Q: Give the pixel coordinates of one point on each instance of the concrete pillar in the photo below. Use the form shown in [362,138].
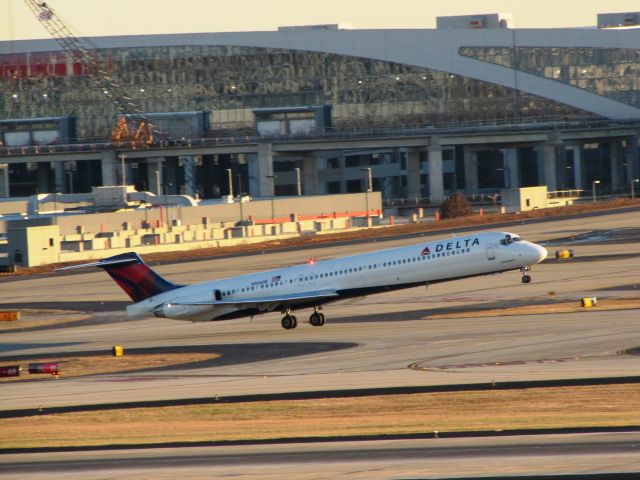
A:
[511,168]
[616,153]
[470,170]
[189,165]
[4,179]
[154,175]
[547,158]
[60,177]
[633,158]
[108,164]
[43,177]
[413,174]
[563,181]
[436,182]
[342,161]
[260,169]
[578,176]
[309,175]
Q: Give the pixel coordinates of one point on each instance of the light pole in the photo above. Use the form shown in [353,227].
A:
[273,194]
[240,198]
[593,187]
[367,189]
[633,188]
[230,182]
[298,184]
[124,172]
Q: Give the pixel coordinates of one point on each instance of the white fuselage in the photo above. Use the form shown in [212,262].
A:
[357,275]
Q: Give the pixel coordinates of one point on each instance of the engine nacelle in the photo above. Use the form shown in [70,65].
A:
[181,312]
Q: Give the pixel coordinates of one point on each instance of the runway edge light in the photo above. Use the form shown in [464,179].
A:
[118,351]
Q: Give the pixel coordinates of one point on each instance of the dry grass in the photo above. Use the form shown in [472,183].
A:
[30,318]
[554,307]
[539,408]
[75,366]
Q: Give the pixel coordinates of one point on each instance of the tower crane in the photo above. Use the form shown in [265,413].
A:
[79,51]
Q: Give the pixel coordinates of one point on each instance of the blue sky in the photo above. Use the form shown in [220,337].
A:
[122,17]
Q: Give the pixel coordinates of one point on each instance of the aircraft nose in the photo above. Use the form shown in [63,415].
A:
[540,252]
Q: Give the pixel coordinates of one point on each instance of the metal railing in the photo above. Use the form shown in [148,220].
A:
[352,132]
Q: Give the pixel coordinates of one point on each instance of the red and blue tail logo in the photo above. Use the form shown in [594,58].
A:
[135,277]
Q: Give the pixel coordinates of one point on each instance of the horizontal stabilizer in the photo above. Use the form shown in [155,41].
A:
[101,263]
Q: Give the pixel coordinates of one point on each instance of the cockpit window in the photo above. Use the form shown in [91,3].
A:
[508,239]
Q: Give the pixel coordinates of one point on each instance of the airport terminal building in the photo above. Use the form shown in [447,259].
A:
[472,105]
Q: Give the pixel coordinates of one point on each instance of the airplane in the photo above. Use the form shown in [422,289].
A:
[316,283]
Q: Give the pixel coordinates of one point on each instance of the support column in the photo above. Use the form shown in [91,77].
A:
[470,171]
[60,177]
[309,175]
[43,177]
[633,158]
[436,182]
[563,180]
[188,163]
[578,178]
[154,175]
[617,169]
[261,185]
[549,166]
[342,161]
[108,164]
[413,174]
[4,180]
[511,168]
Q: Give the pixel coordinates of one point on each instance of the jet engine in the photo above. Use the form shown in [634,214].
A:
[182,311]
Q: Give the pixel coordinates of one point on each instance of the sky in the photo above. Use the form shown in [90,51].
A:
[124,17]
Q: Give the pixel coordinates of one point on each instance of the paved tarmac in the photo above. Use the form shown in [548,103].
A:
[381,335]
[610,455]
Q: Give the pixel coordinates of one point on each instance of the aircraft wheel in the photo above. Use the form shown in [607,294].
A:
[289,322]
[526,279]
[316,319]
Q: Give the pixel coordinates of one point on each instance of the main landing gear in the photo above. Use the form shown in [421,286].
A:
[526,278]
[289,321]
[316,319]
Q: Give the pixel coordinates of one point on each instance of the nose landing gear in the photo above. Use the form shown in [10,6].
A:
[526,278]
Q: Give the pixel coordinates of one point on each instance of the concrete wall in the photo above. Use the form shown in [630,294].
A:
[257,209]
[524,199]
[33,246]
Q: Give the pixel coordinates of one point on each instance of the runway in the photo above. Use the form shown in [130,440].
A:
[605,456]
[379,337]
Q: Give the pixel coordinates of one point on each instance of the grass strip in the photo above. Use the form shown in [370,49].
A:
[615,405]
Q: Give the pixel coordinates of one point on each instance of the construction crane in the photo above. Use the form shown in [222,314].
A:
[125,132]
[79,51]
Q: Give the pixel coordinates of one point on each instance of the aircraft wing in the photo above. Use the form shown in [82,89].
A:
[270,302]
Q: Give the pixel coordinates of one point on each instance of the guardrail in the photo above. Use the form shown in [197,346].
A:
[357,131]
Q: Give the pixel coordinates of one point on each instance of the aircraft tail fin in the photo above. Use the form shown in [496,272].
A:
[134,276]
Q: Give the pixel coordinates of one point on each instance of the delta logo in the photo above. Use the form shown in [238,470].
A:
[453,245]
